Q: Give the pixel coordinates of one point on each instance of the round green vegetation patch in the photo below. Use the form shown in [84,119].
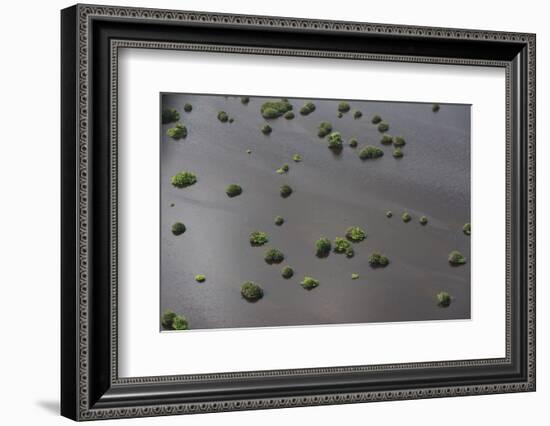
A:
[178,228]
[335,142]
[279,220]
[273,256]
[343,246]
[443,299]
[251,291]
[266,129]
[357,114]
[389,214]
[287,272]
[324,129]
[406,217]
[435,107]
[200,278]
[356,234]
[353,143]
[283,169]
[170,115]
[223,117]
[183,179]
[297,158]
[179,131]
[245,100]
[378,260]
[376,119]
[354,276]
[386,140]
[398,141]
[343,107]
[289,115]
[258,238]
[309,283]
[308,108]
[398,153]
[286,191]
[467,229]
[274,109]
[383,127]
[370,152]
[188,107]
[233,190]
[172,321]
[423,220]
[323,247]
[456,258]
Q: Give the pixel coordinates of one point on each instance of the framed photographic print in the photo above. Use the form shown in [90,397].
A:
[263,212]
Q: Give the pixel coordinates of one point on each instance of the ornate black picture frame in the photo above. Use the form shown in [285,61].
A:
[91,387]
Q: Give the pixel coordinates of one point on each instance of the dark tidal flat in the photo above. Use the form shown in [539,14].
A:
[331,191]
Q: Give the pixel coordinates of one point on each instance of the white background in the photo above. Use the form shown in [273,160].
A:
[29,218]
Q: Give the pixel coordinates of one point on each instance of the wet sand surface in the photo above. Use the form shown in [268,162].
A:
[331,193]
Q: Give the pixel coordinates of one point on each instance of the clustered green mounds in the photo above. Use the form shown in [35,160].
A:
[335,143]
[435,107]
[223,117]
[467,229]
[251,291]
[356,234]
[287,272]
[443,299]
[274,109]
[245,100]
[357,114]
[289,115]
[389,214]
[406,217]
[370,152]
[423,220]
[178,228]
[188,107]
[258,238]
[200,278]
[283,169]
[308,108]
[285,191]
[297,158]
[376,119]
[386,140]
[398,141]
[170,115]
[279,220]
[354,276]
[172,321]
[353,143]
[183,179]
[341,246]
[376,259]
[324,129]
[273,256]
[266,129]
[309,283]
[339,115]
[383,127]
[456,258]
[322,247]
[398,153]
[343,107]
[178,131]
[233,190]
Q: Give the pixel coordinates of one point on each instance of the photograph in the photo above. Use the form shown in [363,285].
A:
[286,211]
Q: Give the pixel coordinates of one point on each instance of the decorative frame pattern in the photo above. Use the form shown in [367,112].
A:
[87,406]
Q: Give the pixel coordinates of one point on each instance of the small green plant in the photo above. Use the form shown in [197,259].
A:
[279,220]
[378,260]
[170,115]
[467,229]
[376,119]
[245,100]
[287,272]
[258,238]
[172,321]
[297,158]
[443,299]
[343,107]
[423,220]
[308,108]
[188,107]
[200,278]
[435,107]
[335,142]
[324,129]
[357,115]
[285,191]
[233,190]
[339,115]
[289,115]
[398,153]
[266,129]
[406,217]
[370,152]
[178,228]
[398,141]
[354,276]
[389,214]
[283,169]
[179,131]
[343,246]
[223,117]
[323,247]
[309,283]
[355,234]
[180,323]
[251,291]
[274,109]
[183,179]
[456,258]
[273,256]
[383,127]
[353,143]
[386,140]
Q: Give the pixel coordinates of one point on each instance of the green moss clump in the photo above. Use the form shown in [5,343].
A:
[335,142]
[423,220]
[223,117]
[183,179]
[179,131]
[178,228]
[289,115]
[383,127]
[251,291]
[443,299]
[287,272]
[376,259]
[456,258]
[376,119]
[200,278]
[308,108]
[285,191]
[398,153]
[283,169]
[406,217]
[266,129]
[370,152]
[273,256]
[323,247]
[279,220]
[233,190]
[398,141]
[389,214]
[435,107]
[258,238]
[180,323]
[354,276]
[245,100]
[172,321]
[357,114]
[297,158]
[386,140]
[170,115]
[309,283]
[355,234]
[343,107]
[467,229]
[353,143]
[339,115]
[274,109]
[341,246]
[324,129]
[188,107]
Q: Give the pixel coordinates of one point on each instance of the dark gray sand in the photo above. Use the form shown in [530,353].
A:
[331,193]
